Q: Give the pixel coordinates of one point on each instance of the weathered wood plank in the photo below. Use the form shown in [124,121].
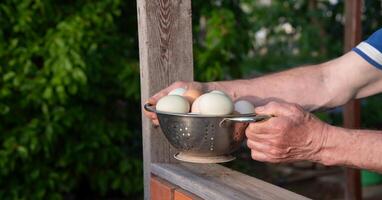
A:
[165,54]
[212,181]
[352,110]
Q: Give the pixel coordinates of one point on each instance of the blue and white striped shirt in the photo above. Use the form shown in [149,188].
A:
[371,49]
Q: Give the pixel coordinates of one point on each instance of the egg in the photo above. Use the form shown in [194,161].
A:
[215,104]
[173,104]
[195,106]
[244,107]
[236,113]
[218,92]
[177,91]
[192,94]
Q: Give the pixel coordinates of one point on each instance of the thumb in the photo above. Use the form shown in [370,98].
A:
[260,110]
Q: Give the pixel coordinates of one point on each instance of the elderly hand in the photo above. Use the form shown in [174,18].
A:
[292,135]
[180,84]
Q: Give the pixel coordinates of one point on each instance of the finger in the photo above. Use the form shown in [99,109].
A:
[273,108]
[257,132]
[150,115]
[164,92]
[155,98]
[156,122]
[152,101]
[261,137]
[257,145]
[260,156]
[270,126]
[267,148]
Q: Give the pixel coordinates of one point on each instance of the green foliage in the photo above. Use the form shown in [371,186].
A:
[265,37]
[68,72]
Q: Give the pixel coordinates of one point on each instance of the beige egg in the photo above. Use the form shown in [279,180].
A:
[244,107]
[219,92]
[173,104]
[215,104]
[192,94]
[195,106]
[177,91]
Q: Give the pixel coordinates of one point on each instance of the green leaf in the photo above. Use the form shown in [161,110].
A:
[8,76]
[23,152]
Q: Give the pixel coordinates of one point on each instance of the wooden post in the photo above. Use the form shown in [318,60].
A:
[352,109]
[165,54]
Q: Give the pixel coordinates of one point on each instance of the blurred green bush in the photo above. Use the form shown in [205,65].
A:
[69,87]
[69,81]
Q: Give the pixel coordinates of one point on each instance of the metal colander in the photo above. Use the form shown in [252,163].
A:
[204,138]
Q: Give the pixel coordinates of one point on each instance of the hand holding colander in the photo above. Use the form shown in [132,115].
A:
[204,138]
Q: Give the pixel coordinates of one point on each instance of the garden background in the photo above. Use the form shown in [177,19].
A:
[69,82]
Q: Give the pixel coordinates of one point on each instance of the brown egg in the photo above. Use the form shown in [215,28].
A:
[192,94]
[195,106]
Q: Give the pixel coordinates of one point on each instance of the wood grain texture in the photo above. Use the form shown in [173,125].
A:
[180,194]
[165,54]
[161,190]
[212,181]
[352,110]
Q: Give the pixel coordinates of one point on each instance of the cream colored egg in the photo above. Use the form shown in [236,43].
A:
[195,106]
[192,94]
[218,92]
[215,104]
[173,104]
[177,91]
[244,107]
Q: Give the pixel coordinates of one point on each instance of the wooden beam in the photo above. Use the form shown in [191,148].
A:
[165,54]
[352,109]
[213,181]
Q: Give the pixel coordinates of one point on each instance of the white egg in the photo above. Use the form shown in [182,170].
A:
[195,106]
[215,104]
[218,92]
[177,91]
[244,107]
[173,104]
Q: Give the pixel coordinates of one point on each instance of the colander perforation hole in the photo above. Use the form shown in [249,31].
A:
[205,136]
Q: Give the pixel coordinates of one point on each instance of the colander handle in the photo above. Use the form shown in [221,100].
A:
[256,118]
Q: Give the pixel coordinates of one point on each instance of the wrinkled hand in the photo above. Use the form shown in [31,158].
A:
[292,135]
[180,84]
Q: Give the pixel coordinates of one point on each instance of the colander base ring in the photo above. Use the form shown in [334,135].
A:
[203,159]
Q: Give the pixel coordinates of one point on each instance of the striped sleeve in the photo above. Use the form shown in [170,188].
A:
[371,49]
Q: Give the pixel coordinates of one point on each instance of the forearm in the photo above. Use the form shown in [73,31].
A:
[305,86]
[353,148]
